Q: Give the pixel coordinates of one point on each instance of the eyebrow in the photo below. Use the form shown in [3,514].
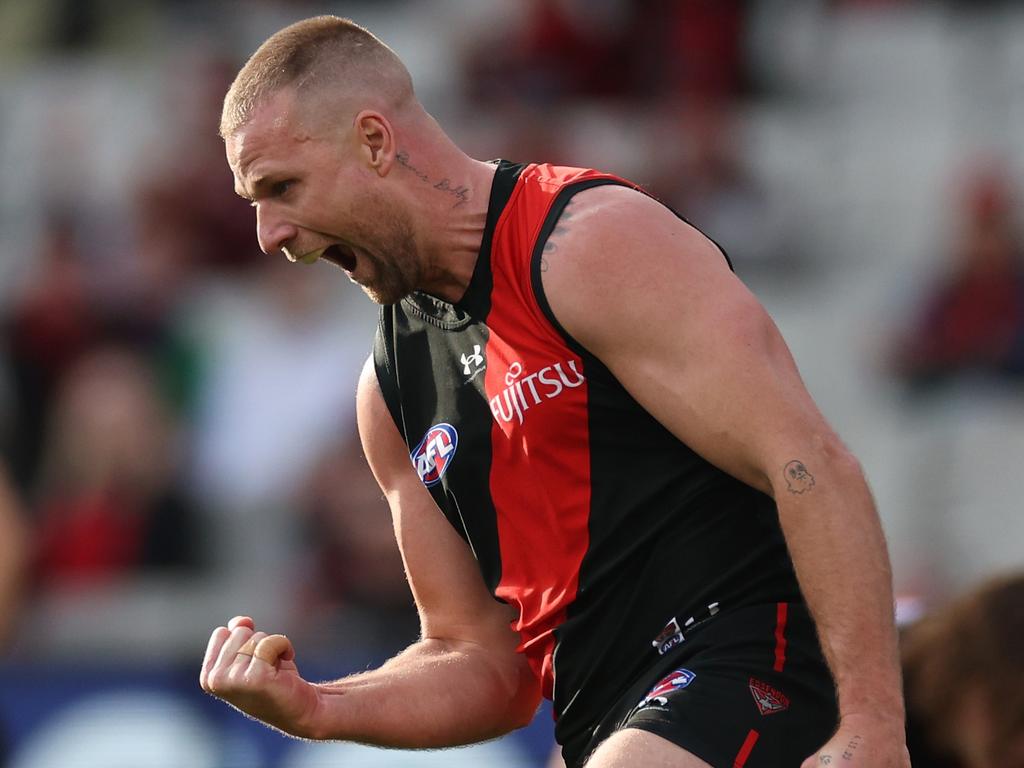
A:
[258,183]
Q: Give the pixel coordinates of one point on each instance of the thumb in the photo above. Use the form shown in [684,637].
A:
[274,649]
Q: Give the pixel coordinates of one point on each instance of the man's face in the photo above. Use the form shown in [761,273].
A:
[316,198]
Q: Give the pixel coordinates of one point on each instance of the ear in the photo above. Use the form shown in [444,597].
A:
[376,139]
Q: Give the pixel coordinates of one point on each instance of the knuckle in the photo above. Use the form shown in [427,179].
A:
[215,683]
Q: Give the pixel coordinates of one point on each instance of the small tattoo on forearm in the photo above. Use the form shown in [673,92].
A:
[851,748]
[825,759]
[798,479]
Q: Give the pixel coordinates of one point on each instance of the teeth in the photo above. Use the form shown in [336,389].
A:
[307,258]
[312,256]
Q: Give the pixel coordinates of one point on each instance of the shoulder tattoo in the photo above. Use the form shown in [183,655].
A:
[562,226]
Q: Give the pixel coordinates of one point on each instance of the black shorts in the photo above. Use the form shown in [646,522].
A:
[747,688]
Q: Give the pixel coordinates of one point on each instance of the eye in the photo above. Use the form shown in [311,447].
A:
[280,188]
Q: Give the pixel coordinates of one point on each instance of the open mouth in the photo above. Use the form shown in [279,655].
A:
[341,256]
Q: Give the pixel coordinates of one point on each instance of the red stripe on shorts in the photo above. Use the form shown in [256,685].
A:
[745,750]
[780,636]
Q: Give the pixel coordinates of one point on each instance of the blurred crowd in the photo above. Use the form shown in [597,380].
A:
[970,322]
[177,409]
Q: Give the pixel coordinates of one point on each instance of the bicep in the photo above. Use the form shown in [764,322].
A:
[451,597]
[655,301]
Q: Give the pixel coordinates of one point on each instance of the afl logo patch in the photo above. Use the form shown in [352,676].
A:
[674,681]
[434,453]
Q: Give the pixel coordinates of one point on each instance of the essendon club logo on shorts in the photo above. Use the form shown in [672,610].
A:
[769,700]
[434,453]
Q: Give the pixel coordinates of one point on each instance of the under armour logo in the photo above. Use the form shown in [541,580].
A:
[473,359]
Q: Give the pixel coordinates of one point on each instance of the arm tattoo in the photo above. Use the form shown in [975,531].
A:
[550,247]
[459,191]
[825,759]
[798,478]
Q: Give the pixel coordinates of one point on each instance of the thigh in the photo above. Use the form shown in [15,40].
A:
[630,747]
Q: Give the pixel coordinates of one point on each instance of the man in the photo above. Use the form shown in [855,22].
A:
[598,416]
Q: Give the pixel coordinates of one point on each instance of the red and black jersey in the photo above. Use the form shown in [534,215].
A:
[599,526]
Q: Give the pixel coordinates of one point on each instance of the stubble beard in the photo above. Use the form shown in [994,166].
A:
[397,274]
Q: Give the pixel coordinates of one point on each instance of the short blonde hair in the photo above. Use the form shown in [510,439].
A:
[323,50]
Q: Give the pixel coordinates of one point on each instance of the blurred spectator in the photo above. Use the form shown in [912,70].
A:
[701,171]
[189,217]
[54,319]
[872,4]
[64,311]
[108,506]
[704,47]
[613,49]
[972,322]
[13,560]
[964,678]
[355,587]
[562,51]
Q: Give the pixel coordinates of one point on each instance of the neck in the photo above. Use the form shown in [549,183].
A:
[450,193]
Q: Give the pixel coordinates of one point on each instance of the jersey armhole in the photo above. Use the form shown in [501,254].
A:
[385,365]
[537,258]
[551,220]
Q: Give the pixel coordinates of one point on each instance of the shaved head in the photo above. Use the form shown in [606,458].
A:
[333,58]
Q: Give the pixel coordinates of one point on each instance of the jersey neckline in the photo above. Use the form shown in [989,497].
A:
[477,296]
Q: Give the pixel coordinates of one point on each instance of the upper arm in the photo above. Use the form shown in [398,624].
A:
[656,302]
[451,597]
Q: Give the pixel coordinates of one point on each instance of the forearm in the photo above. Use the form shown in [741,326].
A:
[838,549]
[433,694]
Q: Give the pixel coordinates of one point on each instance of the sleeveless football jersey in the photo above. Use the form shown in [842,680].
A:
[604,531]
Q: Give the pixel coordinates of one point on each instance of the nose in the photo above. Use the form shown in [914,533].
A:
[272,231]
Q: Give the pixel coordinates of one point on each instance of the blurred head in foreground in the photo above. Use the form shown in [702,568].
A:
[964,668]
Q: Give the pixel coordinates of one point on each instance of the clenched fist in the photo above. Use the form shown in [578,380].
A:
[863,742]
[256,673]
